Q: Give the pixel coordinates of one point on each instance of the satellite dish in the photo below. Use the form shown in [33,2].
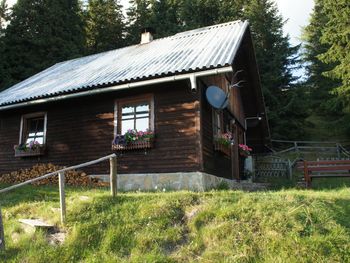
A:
[217,97]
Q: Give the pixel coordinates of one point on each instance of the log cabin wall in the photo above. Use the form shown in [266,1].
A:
[82,129]
[215,162]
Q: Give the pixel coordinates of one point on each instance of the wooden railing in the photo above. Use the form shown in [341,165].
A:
[61,182]
[320,147]
[331,168]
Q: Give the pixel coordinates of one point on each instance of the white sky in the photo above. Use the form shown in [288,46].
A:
[297,12]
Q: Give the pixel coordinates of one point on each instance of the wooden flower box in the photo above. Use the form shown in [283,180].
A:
[144,144]
[30,152]
[225,149]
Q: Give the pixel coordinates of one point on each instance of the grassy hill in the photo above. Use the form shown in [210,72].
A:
[217,226]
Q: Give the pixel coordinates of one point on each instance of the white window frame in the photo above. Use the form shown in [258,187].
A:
[25,117]
[142,98]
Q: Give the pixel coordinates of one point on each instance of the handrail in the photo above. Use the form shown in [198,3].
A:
[57,172]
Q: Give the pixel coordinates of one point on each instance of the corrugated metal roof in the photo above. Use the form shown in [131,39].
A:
[195,50]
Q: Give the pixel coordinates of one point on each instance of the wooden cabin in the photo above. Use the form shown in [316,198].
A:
[77,110]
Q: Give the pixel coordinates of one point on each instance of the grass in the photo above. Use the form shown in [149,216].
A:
[217,226]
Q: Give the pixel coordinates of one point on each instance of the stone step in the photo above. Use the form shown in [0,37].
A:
[34,224]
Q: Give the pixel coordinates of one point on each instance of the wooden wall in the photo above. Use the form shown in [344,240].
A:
[82,129]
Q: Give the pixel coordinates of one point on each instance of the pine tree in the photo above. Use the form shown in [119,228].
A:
[4,18]
[4,14]
[104,25]
[276,60]
[139,17]
[165,17]
[336,34]
[199,13]
[41,33]
[322,101]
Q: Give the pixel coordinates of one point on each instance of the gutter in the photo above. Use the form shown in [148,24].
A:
[192,77]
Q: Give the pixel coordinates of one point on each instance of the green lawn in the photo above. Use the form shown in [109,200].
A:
[218,226]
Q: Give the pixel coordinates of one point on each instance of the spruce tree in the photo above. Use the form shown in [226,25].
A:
[139,17]
[322,100]
[276,60]
[336,34]
[4,19]
[42,33]
[104,25]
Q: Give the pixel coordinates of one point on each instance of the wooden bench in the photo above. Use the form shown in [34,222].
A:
[318,169]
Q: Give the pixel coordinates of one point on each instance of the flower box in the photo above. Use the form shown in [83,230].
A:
[225,149]
[28,152]
[135,145]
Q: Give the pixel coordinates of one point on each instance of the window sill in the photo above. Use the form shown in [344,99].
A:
[146,144]
[30,152]
[222,148]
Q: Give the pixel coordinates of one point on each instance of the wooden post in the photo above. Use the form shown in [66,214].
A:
[61,183]
[307,175]
[338,150]
[290,169]
[113,175]
[296,147]
[2,235]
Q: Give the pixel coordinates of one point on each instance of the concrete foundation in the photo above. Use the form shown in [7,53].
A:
[194,181]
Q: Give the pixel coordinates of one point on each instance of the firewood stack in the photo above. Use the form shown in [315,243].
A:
[73,178]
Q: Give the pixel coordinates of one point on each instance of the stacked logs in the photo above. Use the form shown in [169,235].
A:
[73,178]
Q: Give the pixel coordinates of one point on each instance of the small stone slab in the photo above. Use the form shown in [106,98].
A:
[36,224]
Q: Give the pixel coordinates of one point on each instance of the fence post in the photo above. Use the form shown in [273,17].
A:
[113,175]
[338,150]
[289,164]
[2,235]
[61,183]
[296,147]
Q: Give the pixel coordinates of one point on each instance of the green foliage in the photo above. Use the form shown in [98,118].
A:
[42,33]
[217,226]
[104,25]
[336,34]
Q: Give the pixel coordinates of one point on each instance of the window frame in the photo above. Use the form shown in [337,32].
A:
[24,125]
[119,103]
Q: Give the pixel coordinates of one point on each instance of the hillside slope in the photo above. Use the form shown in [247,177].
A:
[217,226]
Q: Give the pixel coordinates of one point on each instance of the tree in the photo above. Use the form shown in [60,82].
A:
[276,60]
[42,33]
[4,14]
[164,17]
[104,25]
[139,17]
[336,34]
[322,100]
[4,19]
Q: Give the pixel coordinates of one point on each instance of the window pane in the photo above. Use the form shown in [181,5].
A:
[142,115]
[126,125]
[144,107]
[142,124]
[127,109]
[40,140]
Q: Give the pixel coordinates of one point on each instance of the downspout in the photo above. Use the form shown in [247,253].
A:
[192,77]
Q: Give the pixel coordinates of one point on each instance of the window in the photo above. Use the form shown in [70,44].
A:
[217,122]
[33,128]
[135,117]
[135,114]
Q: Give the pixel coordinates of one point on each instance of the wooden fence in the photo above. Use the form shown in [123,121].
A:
[61,182]
[319,147]
[272,166]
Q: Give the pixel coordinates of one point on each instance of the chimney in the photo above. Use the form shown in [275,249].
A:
[147,35]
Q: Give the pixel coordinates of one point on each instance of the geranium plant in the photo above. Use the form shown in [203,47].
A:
[224,138]
[134,135]
[31,146]
[244,149]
